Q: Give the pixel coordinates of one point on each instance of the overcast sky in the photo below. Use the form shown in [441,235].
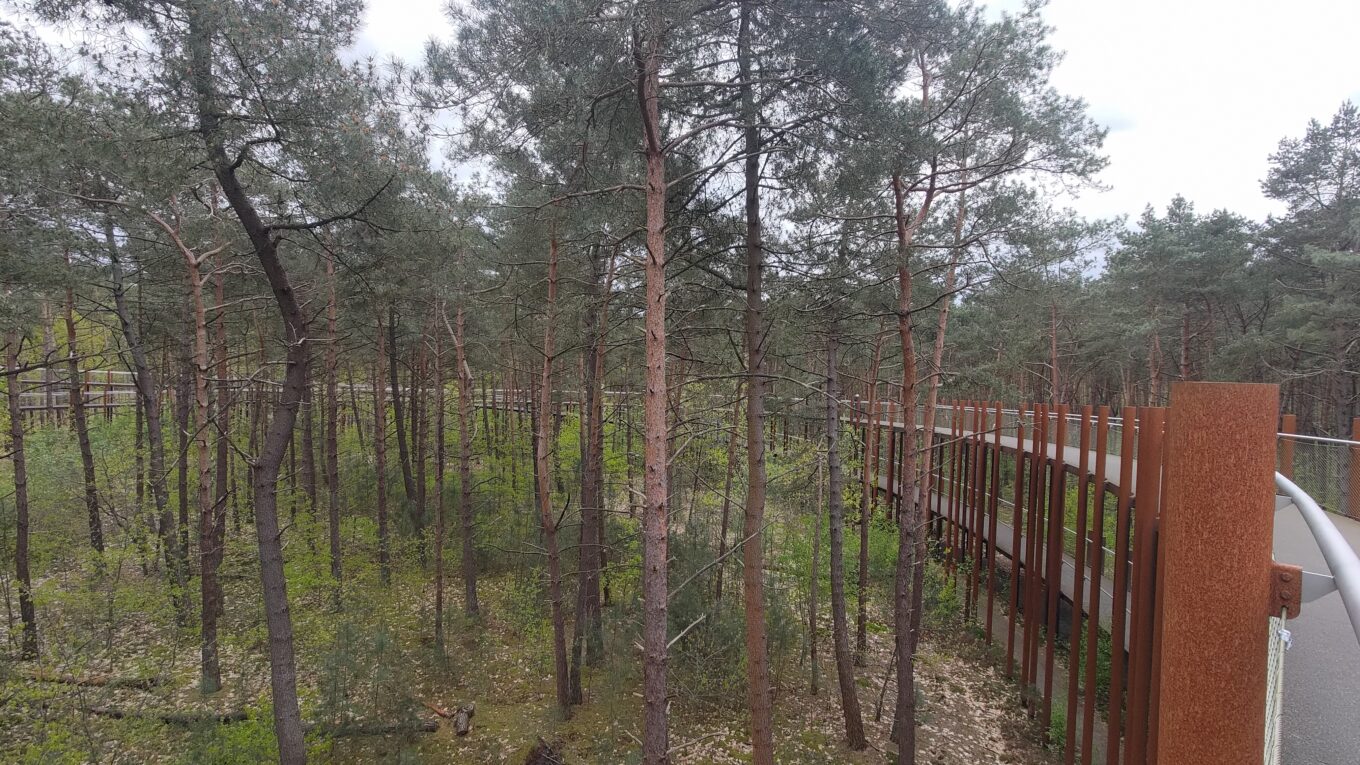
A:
[1196,93]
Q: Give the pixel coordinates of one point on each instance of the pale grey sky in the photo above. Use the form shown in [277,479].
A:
[1196,93]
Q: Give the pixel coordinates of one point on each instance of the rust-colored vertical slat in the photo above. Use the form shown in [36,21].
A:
[1119,614]
[1017,520]
[993,508]
[1147,493]
[1097,556]
[965,541]
[877,415]
[1057,495]
[969,507]
[949,524]
[1221,456]
[979,498]
[892,460]
[1035,530]
[1078,581]
[855,418]
[960,464]
[1353,475]
[1289,424]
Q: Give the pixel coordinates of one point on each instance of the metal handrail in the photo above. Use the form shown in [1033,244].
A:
[1341,559]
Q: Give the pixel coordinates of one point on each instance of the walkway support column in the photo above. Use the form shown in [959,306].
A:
[1215,571]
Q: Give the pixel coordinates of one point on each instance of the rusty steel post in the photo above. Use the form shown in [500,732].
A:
[892,462]
[951,526]
[1096,542]
[1146,507]
[1057,496]
[979,499]
[1035,530]
[1027,542]
[993,508]
[1353,474]
[1119,616]
[1216,587]
[1017,520]
[1078,581]
[1289,424]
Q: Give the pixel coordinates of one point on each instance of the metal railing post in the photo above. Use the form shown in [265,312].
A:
[1216,587]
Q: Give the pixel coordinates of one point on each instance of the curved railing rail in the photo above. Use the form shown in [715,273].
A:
[1336,551]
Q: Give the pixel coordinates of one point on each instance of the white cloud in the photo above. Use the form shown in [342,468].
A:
[1198,93]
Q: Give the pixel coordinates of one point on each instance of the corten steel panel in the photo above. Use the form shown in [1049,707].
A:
[993,507]
[976,514]
[1078,582]
[1216,585]
[1017,521]
[1057,496]
[1146,508]
[1288,424]
[1121,584]
[1097,545]
[1353,475]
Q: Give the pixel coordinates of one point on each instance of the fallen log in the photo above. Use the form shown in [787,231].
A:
[95,681]
[169,718]
[187,719]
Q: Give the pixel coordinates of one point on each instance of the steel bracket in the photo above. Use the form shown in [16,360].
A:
[1316,585]
[1286,590]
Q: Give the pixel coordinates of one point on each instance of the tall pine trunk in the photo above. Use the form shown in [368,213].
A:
[840,628]
[465,519]
[332,427]
[760,695]
[380,456]
[79,424]
[869,473]
[265,470]
[27,614]
[148,390]
[655,536]
[915,515]
[543,467]
[439,489]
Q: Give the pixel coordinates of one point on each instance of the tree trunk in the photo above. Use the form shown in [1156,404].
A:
[814,578]
[911,552]
[868,487]
[79,424]
[265,473]
[727,493]
[222,418]
[465,519]
[587,639]
[439,528]
[184,387]
[403,454]
[148,389]
[655,734]
[543,464]
[759,693]
[308,441]
[380,456]
[332,426]
[210,590]
[27,614]
[840,629]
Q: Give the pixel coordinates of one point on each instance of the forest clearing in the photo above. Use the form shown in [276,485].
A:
[644,381]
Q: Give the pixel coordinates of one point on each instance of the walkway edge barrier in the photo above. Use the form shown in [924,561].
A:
[1211,644]
[1341,559]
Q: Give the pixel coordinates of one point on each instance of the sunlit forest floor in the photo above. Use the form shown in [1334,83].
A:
[117,681]
[373,664]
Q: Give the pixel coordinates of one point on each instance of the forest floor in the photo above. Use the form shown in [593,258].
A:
[374,664]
